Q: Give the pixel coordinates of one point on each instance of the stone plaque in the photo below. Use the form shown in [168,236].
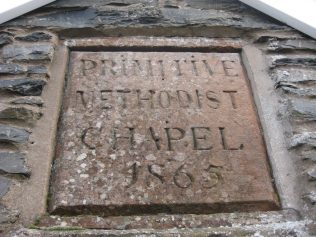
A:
[151,132]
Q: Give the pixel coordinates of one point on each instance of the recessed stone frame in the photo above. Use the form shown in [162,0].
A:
[33,201]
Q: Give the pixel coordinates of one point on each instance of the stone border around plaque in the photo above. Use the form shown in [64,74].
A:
[262,88]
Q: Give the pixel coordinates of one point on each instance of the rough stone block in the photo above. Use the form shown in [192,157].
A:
[28,53]
[13,163]
[30,100]
[12,69]
[35,37]
[26,86]
[303,109]
[20,113]
[4,186]
[12,134]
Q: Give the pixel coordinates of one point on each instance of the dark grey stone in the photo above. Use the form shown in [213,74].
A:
[5,39]
[295,61]
[309,155]
[4,186]
[26,86]
[12,69]
[28,53]
[35,37]
[31,100]
[303,109]
[13,163]
[37,69]
[306,138]
[12,134]
[20,113]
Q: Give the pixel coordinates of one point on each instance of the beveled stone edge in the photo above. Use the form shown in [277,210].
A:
[267,101]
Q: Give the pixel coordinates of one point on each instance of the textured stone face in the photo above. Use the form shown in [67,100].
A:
[150,132]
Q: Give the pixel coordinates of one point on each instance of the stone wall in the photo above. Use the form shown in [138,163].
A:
[28,47]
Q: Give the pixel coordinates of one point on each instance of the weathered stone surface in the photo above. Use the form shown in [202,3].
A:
[306,138]
[13,163]
[309,155]
[19,113]
[290,45]
[30,100]
[5,39]
[12,69]
[12,134]
[311,197]
[302,109]
[38,69]
[101,17]
[164,221]
[26,86]
[295,89]
[7,216]
[312,174]
[296,60]
[292,75]
[4,186]
[28,53]
[141,133]
[35,37]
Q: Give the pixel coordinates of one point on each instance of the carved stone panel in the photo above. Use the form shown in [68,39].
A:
[152,132]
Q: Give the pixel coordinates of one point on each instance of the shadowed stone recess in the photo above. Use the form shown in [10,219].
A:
[11,134]
[4,186]
[20,113]
[28,53]
[26,86]
[13,163]
[35,37]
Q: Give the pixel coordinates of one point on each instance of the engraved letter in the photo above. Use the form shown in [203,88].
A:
[108,66]
[172,137]
[123,98]
[155,138]
[208,67]
[198,138]
[164,103]
[87,65]
[232,98]
[230,68]
[178,67]
[184,98]
[150,98]
[155,170]
[129,137]
[224,142]
[212,97]
[103,98]
[94,134]
[133,170]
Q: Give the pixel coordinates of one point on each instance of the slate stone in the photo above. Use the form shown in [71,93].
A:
[72,18]
[12,134]
[37,69]
[4,186]
[12,69]
[290,45]
[304,76]
[312,174]
[28,53]
[303,109]
[308,61]
[295,89]
[30,100]
[311,197]
[20,113]
[26,86]
[13,163]
[35,37]
[309,155]
[5,39]
[306,138]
